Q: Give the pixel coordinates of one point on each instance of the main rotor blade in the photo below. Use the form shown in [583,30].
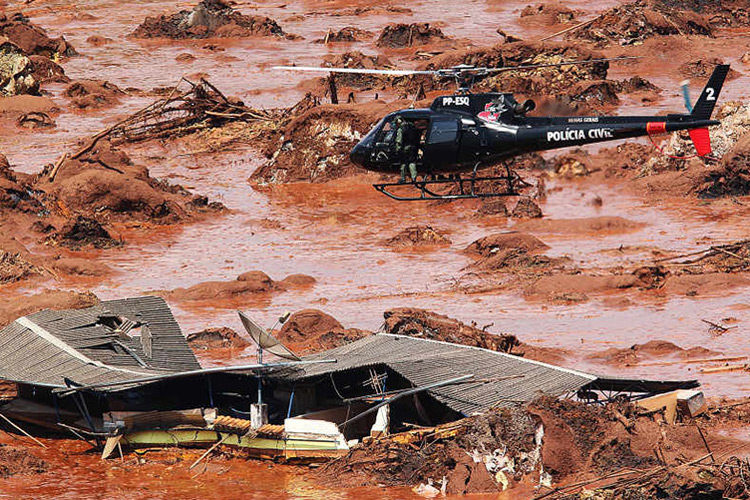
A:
[553,65]
[362,71]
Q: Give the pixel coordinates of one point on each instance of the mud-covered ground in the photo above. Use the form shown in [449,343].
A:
[269,216]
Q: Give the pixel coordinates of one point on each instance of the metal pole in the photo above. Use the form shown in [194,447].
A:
[291,401]
[406,393]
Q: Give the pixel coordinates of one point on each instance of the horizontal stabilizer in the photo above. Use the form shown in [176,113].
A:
[701,141]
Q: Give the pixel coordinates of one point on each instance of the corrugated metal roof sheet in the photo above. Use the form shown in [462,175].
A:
[507,379]
[48,346]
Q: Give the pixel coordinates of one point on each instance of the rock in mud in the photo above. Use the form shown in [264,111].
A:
[418,236]
[510,252]
[526,208]
[35,120]
[94,94]
[547,14]
[16,460]
[16,71]
[311,330]
[98,41]
[31,39]
[46,70]
[597,93]
[216,338]
[408,35]
[489,245]
[652,349]
[83,231]
[632,23]
[210,18]
[247,284]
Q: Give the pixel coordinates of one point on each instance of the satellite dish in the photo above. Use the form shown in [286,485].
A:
[266,341]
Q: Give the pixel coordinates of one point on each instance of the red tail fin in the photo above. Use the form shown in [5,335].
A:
[701,141]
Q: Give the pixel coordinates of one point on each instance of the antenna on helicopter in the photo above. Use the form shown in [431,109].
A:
[464,74]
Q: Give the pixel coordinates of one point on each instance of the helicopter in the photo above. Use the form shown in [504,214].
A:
[465,132]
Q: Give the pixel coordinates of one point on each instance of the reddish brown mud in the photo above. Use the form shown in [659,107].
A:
[601,229]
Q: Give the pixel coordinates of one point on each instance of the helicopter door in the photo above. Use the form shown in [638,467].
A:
[384,147]
[441,147]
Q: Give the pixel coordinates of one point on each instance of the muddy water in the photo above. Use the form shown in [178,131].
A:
[335,232]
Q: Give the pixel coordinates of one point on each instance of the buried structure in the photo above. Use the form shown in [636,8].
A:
[121,373]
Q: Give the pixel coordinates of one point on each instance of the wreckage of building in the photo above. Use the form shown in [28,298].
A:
[122,371]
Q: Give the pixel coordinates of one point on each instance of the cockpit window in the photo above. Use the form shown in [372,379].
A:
[443,131]
[388,134]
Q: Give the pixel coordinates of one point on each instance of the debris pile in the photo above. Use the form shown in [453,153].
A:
[311,330]
[408,35]
[730,258]
[314,146]
[16,460]
[31,39]
[83,232]
[613,451]
[210,18]
[542,81]
[101,182]
[28,56]
[358,60]
[201,107]
[13,267]
[430,325]
[418,236]
[707,177]
[346,34]
[731,177]
[475,455]
[16,71]
[726,13]
[632,23]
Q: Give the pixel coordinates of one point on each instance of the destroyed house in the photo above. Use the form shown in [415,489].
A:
[86,370]
[458,381]
[126,350]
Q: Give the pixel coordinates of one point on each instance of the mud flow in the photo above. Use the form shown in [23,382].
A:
[148,148]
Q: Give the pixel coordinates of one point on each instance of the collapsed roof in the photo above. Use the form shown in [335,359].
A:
[113,341]
[499,379]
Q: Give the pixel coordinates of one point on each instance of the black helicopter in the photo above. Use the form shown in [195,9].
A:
[465,132]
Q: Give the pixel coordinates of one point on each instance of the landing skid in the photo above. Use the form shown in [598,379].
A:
[466,188]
